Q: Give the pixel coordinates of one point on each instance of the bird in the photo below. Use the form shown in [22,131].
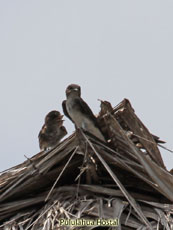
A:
[52,131]
[77,110]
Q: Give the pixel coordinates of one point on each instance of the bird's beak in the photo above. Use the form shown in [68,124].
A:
[68,91]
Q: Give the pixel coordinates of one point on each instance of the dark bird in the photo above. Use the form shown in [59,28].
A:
[76,109]
[52,131]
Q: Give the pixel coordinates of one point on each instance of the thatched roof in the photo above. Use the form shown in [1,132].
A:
[83,177]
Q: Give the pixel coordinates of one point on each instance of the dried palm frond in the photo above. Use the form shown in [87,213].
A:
[82,177]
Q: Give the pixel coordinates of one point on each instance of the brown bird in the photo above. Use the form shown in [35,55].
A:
[52,131]
[76,109]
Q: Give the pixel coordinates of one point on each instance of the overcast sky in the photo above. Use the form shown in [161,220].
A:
[114,49]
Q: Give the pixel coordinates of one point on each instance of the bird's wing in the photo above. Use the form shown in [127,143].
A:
[65,110]
[41,136]
[42,131]
[47,133]
[85,109]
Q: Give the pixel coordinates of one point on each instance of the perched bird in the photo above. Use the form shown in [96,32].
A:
[76,109]
[52,131]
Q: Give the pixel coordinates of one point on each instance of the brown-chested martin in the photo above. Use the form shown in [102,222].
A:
[52,131]
[76,109]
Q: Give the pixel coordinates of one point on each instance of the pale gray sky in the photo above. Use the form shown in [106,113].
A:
[113,49]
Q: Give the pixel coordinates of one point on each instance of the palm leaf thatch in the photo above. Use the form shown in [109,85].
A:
[84,177]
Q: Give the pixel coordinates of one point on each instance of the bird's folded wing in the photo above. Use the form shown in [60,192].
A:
[85,109]
[65,110]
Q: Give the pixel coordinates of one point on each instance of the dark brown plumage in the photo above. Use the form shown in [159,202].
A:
[76,109]
[52,131]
